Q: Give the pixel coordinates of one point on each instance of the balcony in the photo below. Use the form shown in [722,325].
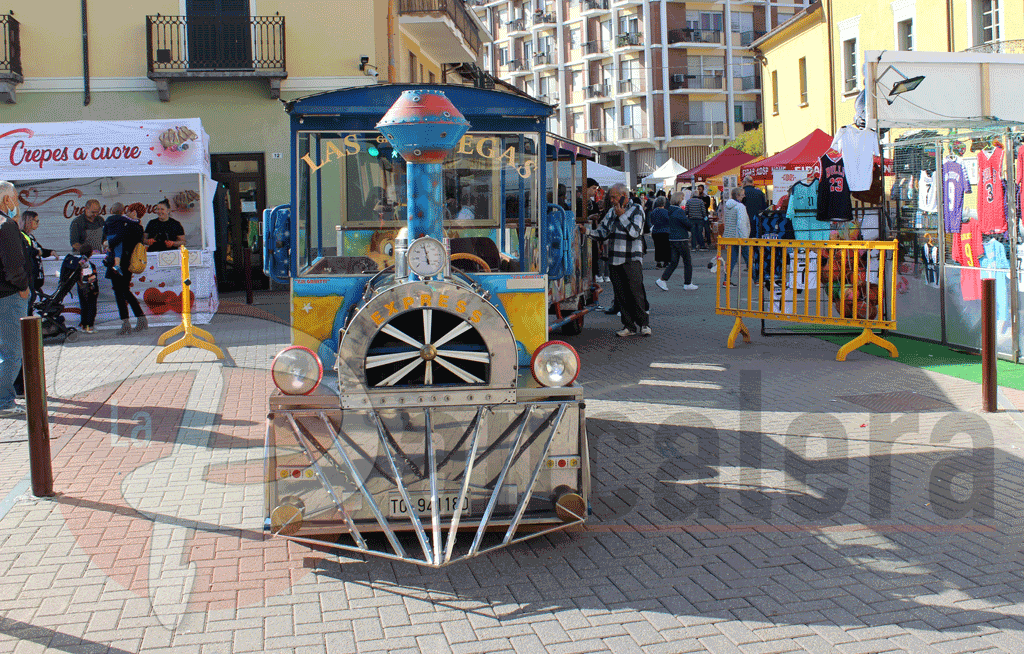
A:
[749,83]
[598,91]
[1000,47]
[629,39]
[550,98]
[594,6]
[519,66]
[544,19]
[698,128]
[10,58]
[746,38]
[687,35]
[680,81]
[215,47]
[543,60]
[592,48]
[599,135]
[444,29]
[632,132]
[631,86]
[517,26]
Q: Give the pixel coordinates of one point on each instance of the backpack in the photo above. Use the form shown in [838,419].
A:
[137,263]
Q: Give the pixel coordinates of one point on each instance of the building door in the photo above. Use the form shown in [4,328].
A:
[218,34]
[240,223]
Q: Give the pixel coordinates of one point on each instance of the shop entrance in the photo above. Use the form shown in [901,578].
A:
[243,185]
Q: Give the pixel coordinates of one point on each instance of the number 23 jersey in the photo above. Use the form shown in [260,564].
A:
[833,191]
[991,207]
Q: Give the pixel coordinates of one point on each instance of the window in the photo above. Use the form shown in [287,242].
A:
[745,111]
[628,24]
[704,65]
[574,80]
[775,93]
[606,34]
[553,125]
[850,65]
[742,22]
[528,50]
[502,20]
[986,21]
[574,38]
[530,87]
[421,77]
[433,80]
[577,122]
[803,81]
[503,56]
[631,115]
[905,35]
[413,67]
[704,20]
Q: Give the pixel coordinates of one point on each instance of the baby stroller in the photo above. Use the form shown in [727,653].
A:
[50,307]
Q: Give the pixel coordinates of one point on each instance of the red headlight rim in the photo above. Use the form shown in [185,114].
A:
[533,360]
[319,364]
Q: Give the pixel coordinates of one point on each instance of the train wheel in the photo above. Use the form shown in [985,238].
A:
[575,327]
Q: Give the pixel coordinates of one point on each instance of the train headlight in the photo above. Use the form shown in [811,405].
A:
[297,370]
[555,364]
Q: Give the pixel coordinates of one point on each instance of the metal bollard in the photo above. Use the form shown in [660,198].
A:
[989,387]
[40,461]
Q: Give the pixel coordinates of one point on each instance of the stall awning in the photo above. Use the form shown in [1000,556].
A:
[725,160]
[803,154]
[107,148]
[666,172]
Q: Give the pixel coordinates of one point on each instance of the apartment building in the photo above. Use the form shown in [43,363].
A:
[229,63]
[642,80]
[813,63]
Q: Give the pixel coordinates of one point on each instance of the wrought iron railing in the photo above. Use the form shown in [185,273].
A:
[595,5]
[10,46]
[517,25]
[697,81]
[631,38]
[196,44]
[750,82]
[632,132]
[599,91]
[599,135]
[543,59]
[1000,47]
[518,65]
[628,86]
[592,47]
[698,128]
[540,19]
[688,35]
[454,9]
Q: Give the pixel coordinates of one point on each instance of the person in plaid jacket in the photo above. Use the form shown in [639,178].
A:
[623,227]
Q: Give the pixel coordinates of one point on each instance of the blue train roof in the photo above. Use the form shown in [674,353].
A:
[375,99]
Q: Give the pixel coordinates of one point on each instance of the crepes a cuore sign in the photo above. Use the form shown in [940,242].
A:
[102,149]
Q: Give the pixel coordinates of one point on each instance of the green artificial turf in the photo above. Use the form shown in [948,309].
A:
[941,359]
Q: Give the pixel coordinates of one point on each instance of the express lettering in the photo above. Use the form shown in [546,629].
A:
[423,300]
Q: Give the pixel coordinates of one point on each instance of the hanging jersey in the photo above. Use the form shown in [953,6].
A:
[991,207]
[967,251]
[955,184]
[859,148]
[928,200]
[833,191]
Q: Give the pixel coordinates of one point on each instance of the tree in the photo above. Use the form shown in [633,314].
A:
[751,142]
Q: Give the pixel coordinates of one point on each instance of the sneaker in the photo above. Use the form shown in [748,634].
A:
[141,323]
[126,327]
[624,332]
[645,330]
[690,287]
[13,411]
[661,284]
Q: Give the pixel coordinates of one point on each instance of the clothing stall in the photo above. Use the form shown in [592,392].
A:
[953,202]
[58,167]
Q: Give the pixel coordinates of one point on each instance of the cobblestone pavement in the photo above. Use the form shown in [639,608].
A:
[762,499]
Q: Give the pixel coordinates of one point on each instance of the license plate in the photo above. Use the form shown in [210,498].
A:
[446,502]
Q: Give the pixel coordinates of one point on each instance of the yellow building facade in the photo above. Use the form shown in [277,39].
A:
[230,63]
[813,64]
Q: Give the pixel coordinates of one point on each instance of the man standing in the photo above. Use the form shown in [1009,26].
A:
[623,227]
[697,211]
[14,282]
[753,198]
[88,228]
[163,232]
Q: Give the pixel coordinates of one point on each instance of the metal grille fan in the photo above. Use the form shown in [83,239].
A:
[427,347]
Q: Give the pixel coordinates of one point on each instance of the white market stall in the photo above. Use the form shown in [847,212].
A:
[666,174]
[58,167]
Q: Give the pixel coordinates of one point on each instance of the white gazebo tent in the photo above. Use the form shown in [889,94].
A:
[666,173]
[58,167]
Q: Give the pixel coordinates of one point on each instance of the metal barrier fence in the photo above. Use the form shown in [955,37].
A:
[829,283]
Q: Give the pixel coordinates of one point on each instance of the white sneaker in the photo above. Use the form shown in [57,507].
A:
[624,332]
[661,284]
[691,287]
[645,331]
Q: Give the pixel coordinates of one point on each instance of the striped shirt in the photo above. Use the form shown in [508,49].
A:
[624,234]
[696,210]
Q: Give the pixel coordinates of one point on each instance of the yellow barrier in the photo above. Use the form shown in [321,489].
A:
[192,336]
[836,283]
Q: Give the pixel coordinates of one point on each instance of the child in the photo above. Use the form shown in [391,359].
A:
[88,289]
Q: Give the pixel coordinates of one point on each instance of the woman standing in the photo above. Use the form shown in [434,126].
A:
[29,223]
[659,232]
[123,234]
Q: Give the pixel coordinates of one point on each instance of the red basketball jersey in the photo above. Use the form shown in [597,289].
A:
[991,208]
[967,251]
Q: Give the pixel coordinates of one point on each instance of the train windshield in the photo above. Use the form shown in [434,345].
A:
[351,196]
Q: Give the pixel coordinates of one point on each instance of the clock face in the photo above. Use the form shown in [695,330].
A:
[427,257]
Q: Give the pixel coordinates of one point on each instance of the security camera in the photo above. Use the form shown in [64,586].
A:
[374,73]
[363,61]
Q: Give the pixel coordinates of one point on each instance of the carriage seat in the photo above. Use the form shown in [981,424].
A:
[481,246]
[342,266]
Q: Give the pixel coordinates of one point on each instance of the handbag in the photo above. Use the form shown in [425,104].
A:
[137,263]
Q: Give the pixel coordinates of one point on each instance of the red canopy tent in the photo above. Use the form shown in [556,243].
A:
[724,161]
[802,155]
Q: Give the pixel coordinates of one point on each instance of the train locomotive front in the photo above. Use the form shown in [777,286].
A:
[447,430]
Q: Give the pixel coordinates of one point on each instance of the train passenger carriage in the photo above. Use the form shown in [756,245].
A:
[429,248]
